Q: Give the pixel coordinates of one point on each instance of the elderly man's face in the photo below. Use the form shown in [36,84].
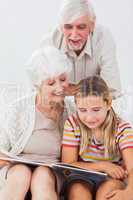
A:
[76,33]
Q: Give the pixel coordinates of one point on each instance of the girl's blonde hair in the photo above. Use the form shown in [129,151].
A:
[96,86]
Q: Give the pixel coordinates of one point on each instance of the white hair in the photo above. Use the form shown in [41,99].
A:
[45,63]
[73,9]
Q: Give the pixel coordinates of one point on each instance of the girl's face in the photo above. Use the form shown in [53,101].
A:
[53,88]
[92,110]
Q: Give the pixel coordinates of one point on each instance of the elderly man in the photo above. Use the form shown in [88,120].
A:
[90,47]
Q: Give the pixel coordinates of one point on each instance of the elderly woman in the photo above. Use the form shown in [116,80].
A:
[31,124]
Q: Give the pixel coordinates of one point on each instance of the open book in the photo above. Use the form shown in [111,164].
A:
[67,169]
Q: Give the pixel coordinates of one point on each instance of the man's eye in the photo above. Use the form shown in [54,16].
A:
[81,26]
[68,26]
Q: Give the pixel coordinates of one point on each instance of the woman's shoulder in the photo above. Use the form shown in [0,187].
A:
[12,93]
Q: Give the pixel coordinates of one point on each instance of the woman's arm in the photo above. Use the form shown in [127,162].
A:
[3,162]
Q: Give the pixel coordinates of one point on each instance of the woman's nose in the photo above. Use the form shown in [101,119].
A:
[59,87]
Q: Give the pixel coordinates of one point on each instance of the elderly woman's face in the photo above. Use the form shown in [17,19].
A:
[76,33]
[54,88]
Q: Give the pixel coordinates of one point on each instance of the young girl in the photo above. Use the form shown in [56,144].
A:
[95,138]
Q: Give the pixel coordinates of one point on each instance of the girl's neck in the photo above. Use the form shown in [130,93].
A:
[97,134]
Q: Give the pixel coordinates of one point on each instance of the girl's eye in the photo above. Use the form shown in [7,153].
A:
[82,109]
[96,110]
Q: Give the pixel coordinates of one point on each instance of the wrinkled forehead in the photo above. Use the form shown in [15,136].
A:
[57,76]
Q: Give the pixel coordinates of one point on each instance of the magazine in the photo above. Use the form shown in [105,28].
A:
[67,169]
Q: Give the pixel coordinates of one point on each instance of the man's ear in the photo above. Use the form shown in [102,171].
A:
[92,26]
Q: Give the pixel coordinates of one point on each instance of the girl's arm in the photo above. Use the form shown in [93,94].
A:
[127,193]
[70,156]
[128,161]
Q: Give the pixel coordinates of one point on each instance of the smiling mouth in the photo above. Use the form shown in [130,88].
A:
[59,94]
[75,41]
[91,123]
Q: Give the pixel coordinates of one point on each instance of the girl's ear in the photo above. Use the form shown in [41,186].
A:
[110,103]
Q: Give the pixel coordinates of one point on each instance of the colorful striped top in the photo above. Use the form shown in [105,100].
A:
[95,150]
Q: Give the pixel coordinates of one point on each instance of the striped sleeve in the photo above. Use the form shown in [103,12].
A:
[71,135]
[125,136]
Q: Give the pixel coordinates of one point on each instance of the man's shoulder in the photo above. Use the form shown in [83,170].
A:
[100,29]
[54,37]
[102,33]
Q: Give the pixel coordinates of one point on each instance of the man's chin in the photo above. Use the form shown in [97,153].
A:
[75,48]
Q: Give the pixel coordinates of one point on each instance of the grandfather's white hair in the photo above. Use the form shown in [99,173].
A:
[73,9]
[45,63]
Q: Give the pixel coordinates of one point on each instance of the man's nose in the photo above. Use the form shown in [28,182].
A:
[74,32]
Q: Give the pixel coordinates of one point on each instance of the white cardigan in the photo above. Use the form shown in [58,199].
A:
[17,117]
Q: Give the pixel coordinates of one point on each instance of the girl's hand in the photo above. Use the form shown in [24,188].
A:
[119,195]
[113,170]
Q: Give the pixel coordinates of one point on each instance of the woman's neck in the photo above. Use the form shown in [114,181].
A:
[51,109]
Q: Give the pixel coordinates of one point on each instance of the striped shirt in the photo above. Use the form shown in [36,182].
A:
[95,151]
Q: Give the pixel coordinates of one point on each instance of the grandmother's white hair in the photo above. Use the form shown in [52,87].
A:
[45,63]
[73,9]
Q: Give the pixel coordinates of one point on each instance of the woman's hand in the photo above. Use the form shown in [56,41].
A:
[113,170]
[71,90]
[4,162]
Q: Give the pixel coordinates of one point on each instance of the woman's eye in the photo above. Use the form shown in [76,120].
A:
[62,79]
[51,82]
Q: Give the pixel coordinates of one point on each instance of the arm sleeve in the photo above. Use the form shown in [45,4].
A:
[125,138]
[70,135]
[108,64]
